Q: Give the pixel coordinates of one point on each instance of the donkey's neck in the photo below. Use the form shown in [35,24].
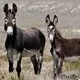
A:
[56,40]
[58,36]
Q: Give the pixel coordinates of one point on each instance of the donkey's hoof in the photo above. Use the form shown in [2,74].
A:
[11,69]
[18,75]
[37,73]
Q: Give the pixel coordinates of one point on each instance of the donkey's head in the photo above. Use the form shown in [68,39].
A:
[51,26]
[10,20]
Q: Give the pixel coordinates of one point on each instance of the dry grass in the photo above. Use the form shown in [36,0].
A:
[28,72]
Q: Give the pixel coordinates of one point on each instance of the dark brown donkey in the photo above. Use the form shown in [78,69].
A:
[61,49]
[19,43]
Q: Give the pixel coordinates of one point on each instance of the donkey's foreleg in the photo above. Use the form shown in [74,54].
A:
[60,64]
[17,63]
[55,64]
[10,60]
[18,69]
[51,50]
[10,66]
[55,67]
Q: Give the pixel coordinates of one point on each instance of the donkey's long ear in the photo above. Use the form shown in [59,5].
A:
[5,8]
[55,20]
[47,19]
[14,8]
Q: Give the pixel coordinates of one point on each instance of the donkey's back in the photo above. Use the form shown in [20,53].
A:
[71,48]
[33,38]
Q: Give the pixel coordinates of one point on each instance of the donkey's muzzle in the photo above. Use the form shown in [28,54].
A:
[9,30]
[50,37]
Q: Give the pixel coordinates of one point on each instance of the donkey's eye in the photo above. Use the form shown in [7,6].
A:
[6,21]
[13,21]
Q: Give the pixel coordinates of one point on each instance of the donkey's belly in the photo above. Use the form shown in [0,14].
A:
[72,58]
[29,53]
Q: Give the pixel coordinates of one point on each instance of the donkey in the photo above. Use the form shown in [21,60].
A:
[22,43]
[61,49]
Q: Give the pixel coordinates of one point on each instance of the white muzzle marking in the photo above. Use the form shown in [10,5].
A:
[10,30]
[51,37]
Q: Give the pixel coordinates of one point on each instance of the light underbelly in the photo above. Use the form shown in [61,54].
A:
[72,58]
[15,56]
[29,53]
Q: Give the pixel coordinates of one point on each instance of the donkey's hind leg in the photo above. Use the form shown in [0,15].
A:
[34,62]
[37,62]
[40,60]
